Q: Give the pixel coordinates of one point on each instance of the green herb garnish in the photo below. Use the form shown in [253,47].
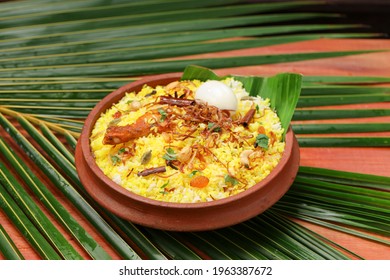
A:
[115,160]
[163,186]
[163,191]
[170,154]
[229,180]
[163,114]
[192,174]
[262,141]
[212,127]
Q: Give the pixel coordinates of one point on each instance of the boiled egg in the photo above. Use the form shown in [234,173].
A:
[217,94]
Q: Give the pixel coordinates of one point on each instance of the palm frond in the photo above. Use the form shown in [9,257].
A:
[26,227]
[51,203]
[8,247]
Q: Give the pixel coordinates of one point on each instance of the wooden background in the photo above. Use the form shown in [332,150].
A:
[363,160]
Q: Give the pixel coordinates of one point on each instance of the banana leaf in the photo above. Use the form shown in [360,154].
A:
[282,90]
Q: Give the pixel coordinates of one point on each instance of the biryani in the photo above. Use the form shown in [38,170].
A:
[188,141]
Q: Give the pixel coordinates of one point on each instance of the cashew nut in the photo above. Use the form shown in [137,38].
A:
[244,157]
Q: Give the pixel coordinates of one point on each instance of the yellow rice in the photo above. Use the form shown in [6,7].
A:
[174,185]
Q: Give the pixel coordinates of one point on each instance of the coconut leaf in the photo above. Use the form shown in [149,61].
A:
[343,177]
[324,128]
[363,80]
[324,198]
[208,248]
[160,51]
[26,227]
[342,90]
[282,90]
[67,164]
[302,240]
[344,141]
[68,190]
[160,66]
[8,247]
[170,245]
[71,141]
[37,216]
[51,203]
[35,120]
[322,114]
[310,101]
[141,10]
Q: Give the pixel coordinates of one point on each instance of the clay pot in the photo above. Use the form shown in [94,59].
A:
[179,216]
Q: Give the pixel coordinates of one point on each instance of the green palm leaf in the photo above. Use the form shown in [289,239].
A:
[69,191]
[8,247]
[49,200]
[35,214]
[26,227]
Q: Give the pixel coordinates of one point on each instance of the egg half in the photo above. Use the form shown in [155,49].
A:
[217,94]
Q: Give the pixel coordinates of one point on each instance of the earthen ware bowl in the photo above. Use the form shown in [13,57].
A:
[179,216]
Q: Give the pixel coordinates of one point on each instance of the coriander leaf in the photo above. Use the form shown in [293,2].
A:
[262,141]
[115,160]
[163,114]
[163,186]
[229,180]
[192,174]
[212,127]
[170,154]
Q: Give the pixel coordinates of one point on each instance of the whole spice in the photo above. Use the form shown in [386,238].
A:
[150,171]
[248,117]
[180,102]
[146,157]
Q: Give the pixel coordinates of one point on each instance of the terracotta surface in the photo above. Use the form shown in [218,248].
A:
[179,216]
[364,160]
